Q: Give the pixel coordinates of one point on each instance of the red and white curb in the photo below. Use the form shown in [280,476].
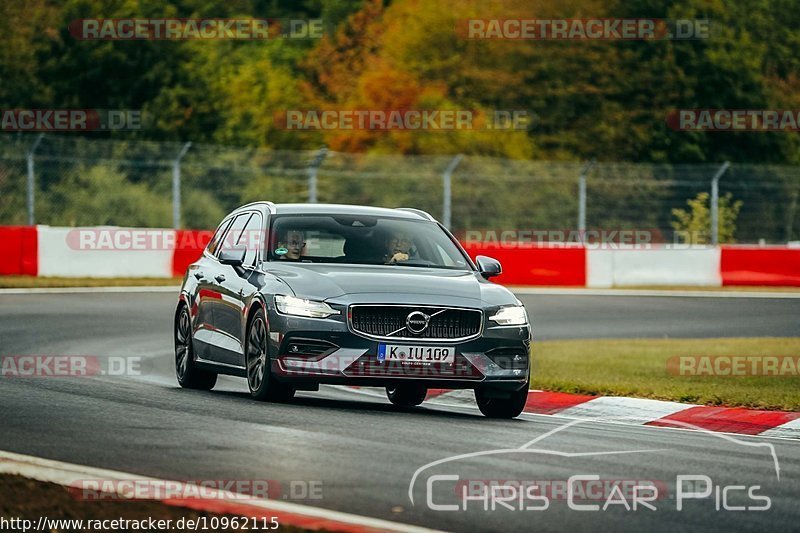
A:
[224,502]
[640,411]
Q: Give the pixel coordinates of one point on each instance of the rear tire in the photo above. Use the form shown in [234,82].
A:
[186,370]
[262,384]
[406,395]
[510,407]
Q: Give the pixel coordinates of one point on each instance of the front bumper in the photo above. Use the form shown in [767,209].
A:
[328,351]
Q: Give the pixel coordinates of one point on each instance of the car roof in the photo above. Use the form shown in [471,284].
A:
[344,209]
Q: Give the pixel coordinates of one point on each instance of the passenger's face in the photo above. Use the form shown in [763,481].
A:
[399,243]
[295,242]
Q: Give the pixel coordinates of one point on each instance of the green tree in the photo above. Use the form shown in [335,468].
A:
[693,225]
[27,28]
[102,195]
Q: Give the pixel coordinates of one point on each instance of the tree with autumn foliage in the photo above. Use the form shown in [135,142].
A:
[592,99]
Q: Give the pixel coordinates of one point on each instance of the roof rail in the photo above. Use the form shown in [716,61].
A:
[270,206]
[419,212]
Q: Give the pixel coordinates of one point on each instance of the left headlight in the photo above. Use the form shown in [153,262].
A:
[291,305]
[514,315]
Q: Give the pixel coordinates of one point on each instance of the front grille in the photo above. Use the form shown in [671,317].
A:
[444,322]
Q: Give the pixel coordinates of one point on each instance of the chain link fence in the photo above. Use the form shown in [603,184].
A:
[72,181]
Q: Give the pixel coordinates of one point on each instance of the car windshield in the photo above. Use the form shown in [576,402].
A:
[363,240]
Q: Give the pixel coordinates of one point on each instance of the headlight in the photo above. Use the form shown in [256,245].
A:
[510,316]
[290,305]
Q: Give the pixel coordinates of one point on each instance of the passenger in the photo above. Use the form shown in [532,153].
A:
[291,245]
[398,248]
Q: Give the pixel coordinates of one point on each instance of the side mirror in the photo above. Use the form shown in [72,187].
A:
[488,267]
[233,256]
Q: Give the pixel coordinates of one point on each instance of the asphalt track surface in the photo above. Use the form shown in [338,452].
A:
[594,317]
[364,452]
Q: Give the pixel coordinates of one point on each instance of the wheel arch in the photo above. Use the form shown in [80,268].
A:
[258,302]
[183,301]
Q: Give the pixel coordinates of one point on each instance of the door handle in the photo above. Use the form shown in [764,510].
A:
[198,275]
[220,278]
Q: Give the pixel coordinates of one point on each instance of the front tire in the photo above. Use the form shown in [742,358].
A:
[494,407]
[262,384]
[406,395]
[186,370]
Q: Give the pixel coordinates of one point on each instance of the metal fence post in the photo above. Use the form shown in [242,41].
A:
[790,215]
[447,191]
[31,184]
[312,174]
[715,202]
[582,197]
[176,186]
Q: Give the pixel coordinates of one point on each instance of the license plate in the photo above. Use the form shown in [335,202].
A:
[416,355]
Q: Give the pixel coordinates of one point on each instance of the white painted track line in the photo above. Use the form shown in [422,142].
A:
[67,474]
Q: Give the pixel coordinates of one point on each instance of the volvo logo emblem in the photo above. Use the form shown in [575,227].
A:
[417,322]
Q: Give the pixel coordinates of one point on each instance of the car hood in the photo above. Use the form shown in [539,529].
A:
[383,283]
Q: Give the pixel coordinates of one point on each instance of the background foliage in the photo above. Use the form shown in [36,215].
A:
[602,100]
[595,99]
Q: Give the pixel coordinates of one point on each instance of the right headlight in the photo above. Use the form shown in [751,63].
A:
[514,315]
[291,305]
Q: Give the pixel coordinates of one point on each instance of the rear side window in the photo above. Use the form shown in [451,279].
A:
[231,238]
[213,245]
[251,239]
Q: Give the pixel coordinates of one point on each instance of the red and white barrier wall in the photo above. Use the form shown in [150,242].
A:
[75,252]
[138,252]
[19,250]
[659,266]
[579,266]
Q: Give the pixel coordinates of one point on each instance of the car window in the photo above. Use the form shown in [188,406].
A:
[324,244]
[251,239]
[363,240]
[213,245]
[231,238]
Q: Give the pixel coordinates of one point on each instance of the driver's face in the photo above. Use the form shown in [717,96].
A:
[399,243]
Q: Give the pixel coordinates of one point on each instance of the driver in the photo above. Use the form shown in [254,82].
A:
[291,245]
[398,247]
